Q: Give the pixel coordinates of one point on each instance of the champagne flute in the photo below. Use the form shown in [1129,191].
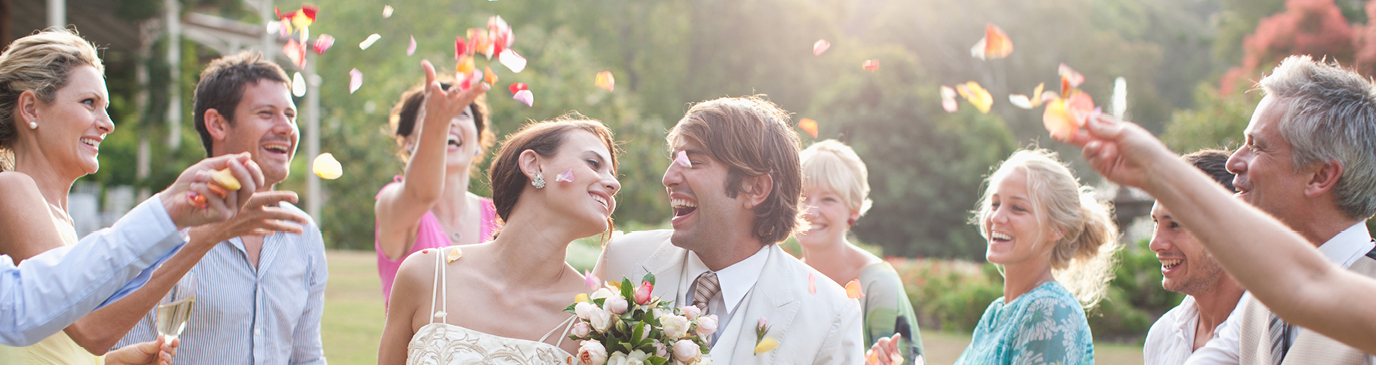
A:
[174,310]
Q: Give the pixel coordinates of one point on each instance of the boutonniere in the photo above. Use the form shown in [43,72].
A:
[764,344]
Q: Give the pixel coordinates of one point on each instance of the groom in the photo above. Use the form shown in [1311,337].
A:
[734,189]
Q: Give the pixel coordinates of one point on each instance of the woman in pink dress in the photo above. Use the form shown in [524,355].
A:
[430,206]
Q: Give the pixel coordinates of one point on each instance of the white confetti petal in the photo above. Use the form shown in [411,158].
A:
[411,49]
[511,60]
[355,80]
[298,85]
[369,42]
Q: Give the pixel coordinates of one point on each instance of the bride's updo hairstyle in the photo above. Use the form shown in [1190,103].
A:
[42,63]
[544,138]
[1083,258]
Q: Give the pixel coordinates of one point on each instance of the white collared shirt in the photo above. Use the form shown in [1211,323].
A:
[1171,339]
[1343,249]
[735,280]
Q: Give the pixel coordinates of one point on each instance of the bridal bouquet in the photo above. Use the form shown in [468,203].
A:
[620,324]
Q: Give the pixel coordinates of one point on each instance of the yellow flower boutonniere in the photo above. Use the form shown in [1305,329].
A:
[764,344]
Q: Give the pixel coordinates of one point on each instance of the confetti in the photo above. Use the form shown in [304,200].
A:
[369,42]
[296,52]
[682,160]
[1120,98]
[605,80]
[215,188]
[808,125]
[811,283]
[225,179]
[591,280]
[500,32]
[870,65]
[820,46]
[994,45]
[566,176]
[489,76]
[355,80]
[511,60]
[386,11]
[298,85]
[453,255]
[525,96]
[323,43]
[327,167]
[1026,102]
[480,42]
[411,49]
[1069,78]
[948,99]
[765,345]
[460,48]
[1064,117]
[976,95]
[853,290]
[517,87]
[274,27]
[197,200]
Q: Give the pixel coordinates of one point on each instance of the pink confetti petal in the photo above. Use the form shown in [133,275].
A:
[323,43]
[566,176]
[820,46]
[592,281]
[511,60]
[355,80]
[948,99]
[811,283]
[525,96]
[411,49]
[296,52]
[682,160]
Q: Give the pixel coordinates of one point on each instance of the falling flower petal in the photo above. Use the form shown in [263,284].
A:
[1064,117]
[460,48]
[296,52]
[323,43]
[948,99]
[870,65]
[489,76]
[605,80]
[682,160]
[591,280]
[1069,78]
[355,80]
[369,42]
[808,125]
[517,87]
[873,358]
[994,45]
[511,60]
[298,85]
[1120,98]
[274,27]
[566,176]
[525,96]
[820,46]
[766,344]
[328,168]
[411,49]
[465,65]
[853,290]
[976,95]
[811,283]
[386,11]
[453,255]
[1020,100]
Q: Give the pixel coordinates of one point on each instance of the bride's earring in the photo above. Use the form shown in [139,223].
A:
[539,181]
[33,125]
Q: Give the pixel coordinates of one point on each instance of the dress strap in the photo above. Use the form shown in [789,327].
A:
[567,324]
[438,286]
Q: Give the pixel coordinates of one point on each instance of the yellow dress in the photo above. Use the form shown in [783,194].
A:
[57,349]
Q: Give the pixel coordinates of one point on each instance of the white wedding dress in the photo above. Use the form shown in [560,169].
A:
[440,343]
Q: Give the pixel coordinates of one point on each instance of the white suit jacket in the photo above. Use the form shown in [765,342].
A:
[821,328]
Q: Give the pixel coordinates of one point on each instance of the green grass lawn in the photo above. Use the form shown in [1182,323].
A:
[352,326]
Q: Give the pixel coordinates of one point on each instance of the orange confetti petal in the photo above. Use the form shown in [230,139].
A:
[853,290]
[489,76]
[1069,78]
[225,179]
[820,46]
[871,65]
[465,65]
[994,45]
[453,255]
[976,95]
[809,126]
[1064,117]
[605,80]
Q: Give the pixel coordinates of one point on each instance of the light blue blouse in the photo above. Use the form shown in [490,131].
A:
[1044,326]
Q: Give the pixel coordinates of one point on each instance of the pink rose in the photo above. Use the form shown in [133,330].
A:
[581,329]
[686,351]
[660,350]
[592,353]
[584,310]
[692,311]
[707,325]
[642,294]
[615,304]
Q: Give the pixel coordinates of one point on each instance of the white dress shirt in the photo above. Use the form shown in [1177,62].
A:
[736,281]
[1171,339]
[1343,249]
[50,291]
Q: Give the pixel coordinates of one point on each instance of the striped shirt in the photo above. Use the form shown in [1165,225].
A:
[243,315]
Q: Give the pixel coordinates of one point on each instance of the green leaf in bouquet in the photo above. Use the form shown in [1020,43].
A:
[656,360]
[627,290]
[570,308]
[650,278]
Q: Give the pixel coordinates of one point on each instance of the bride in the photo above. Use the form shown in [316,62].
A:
[502,301]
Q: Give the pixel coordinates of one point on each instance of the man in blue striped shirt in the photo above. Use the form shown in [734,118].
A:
[259,295]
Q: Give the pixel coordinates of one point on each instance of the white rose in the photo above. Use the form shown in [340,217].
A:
[707,325]
[616,304]
[581,329]
[686,351]
[617,359]
[637,357]
[591,352]
[705,360]
[602,293]
[584,310]
[692,311]
[675,327]
[600,320]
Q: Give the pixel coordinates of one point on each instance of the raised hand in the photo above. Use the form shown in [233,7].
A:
[885,351]
[196,179]
[260,216]
[1122,152]
[445,104]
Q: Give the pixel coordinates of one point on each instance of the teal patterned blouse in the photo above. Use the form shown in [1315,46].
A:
[1044,326]
[887,310]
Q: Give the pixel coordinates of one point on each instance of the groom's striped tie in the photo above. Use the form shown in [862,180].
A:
[708,287]
[1280,339]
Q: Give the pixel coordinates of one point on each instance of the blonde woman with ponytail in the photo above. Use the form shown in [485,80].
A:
[1054,243]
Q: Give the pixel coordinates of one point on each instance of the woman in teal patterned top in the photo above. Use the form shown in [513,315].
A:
[1054,242]
[835,193]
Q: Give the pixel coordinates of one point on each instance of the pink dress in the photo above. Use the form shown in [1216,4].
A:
[429,235]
